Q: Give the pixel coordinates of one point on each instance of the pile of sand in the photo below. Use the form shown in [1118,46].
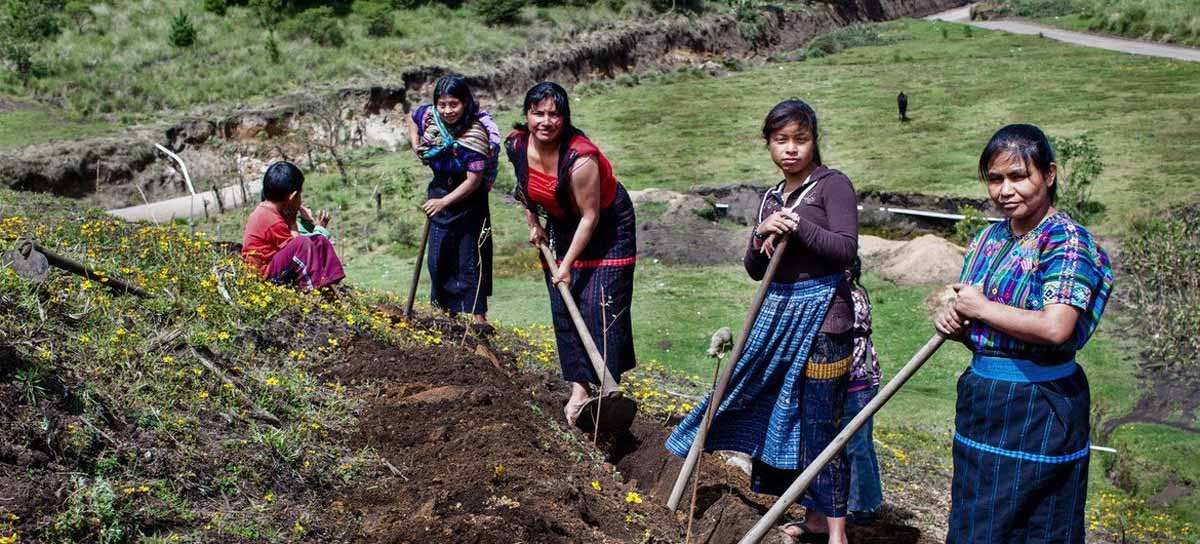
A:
[924,260]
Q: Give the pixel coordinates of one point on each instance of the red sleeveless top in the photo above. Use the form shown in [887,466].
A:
[543,187]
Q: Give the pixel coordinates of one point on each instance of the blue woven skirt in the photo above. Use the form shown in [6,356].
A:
[770,403]
[1020,455]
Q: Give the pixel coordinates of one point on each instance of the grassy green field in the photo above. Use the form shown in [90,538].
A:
[962,89]
[118,60]
[23,127]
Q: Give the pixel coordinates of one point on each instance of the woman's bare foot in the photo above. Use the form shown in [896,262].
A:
[579,398]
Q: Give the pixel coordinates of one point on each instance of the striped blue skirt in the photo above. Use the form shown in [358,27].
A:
[1020,453]
[785,393]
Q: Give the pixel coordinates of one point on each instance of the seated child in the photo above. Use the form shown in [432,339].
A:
[273,242]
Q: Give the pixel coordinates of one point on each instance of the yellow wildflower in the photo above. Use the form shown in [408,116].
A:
[596,485]
[633,498]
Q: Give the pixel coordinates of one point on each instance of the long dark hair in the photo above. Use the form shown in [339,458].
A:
[456,86]
[794,110]
[557,94]
[1025,141]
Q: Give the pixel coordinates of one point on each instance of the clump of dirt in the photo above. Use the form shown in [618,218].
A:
[927,259]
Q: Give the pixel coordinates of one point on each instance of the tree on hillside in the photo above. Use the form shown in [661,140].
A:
[24,24]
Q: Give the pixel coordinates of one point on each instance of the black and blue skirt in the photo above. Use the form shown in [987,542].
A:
[602,285]
[1020,453]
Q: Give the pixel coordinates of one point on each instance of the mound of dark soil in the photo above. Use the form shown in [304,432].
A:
[479,456]
[479,453]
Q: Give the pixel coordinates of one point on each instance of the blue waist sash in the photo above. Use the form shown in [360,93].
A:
[1019,370]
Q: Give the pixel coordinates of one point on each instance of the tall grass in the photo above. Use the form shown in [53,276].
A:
[121,63]
[1175,21]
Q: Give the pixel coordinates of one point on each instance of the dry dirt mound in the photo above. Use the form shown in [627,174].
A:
[924,260]
[680,228]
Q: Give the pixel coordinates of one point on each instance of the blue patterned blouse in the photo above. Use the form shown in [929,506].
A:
[1058,262]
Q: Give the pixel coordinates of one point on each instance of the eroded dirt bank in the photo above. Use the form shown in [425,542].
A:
[121,171]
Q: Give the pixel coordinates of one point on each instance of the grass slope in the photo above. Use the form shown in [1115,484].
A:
[961,89]
[120,62]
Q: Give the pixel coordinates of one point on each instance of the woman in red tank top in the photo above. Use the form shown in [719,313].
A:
[590,226]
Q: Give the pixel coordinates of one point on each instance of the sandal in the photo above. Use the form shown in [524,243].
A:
[805,534]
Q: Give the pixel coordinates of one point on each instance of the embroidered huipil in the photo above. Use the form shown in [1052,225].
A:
[1058,262]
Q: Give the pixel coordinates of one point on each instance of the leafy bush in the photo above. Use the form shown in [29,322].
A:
[494,12]
[1079,165]
[379,20]
[269,12]
[216,6]
[317,24]
[966,228]
[78,12]
[19,57]
[28,20]
[844,38]
[1161,258]
[272,48]
[183,33]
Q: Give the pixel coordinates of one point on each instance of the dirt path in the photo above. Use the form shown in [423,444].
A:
[963,15]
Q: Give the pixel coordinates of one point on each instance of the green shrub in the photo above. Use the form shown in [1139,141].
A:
[19,58]
[379,20]
[272,48]
[217,7]
[183,33]
[269,12]
[1161,260]
[317,24]
[844,38]
[495,12]
[407,4]
[1079,166]
[966,229]
[79,13]
[29,20]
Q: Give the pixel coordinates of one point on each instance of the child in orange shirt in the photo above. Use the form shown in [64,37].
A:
[273,242]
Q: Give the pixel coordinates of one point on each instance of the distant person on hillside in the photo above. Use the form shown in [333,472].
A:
[277,242]
[1032,291]
[788,389]
[866,491]
[590,226]
[902,105]
[460,143]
